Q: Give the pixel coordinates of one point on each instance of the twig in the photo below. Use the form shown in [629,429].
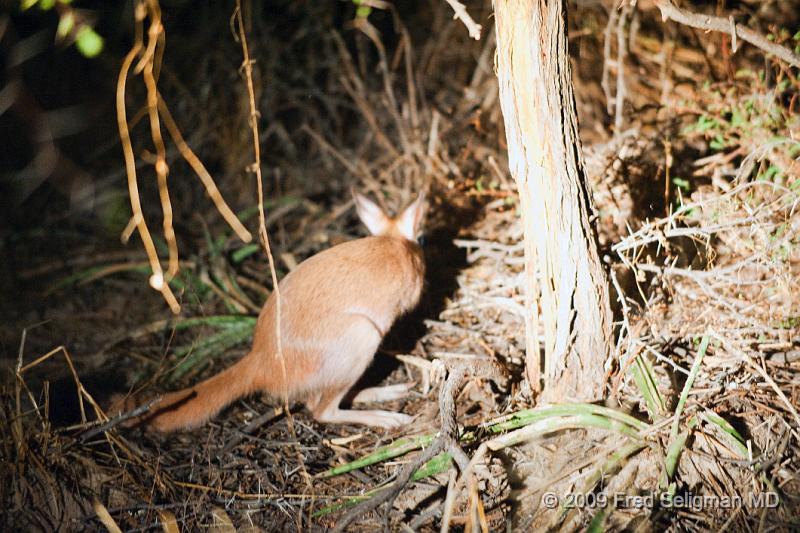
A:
[208,182]
[118,419]
[251,426]
[605,76]
[622,51]
[461,14]
[449,501]
[766,377]
[247,68]
[105,517]
[725,25]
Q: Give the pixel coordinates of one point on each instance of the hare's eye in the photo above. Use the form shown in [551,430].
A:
[421,239]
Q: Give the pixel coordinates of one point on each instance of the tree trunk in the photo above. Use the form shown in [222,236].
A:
[570,296]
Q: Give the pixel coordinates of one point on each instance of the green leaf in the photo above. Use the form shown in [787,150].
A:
[46,5]
[718,142]
[88,42]
[705,123]
[244,252]
[681,183]
[738,118]
[771,172]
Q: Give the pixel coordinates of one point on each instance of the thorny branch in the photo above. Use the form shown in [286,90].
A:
[710,23]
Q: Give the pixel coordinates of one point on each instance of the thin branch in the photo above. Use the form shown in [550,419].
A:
[247,69]
[460,13]
[208,182]
[622,51]
[118,419]
[725,25]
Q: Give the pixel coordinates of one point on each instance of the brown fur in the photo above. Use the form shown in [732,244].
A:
[335,309]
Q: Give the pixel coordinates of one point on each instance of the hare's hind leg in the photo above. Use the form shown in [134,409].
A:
[386,393]
[327,410]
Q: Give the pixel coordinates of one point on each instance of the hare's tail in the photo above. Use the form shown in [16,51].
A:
[195,405]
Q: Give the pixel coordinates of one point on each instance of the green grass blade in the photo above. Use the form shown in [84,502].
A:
[349,502]
[218,321]
[674,452]
[732,437]
[701,352]
[390,451]
[269,205]
[437,465]
[529,416]
[645,381]
[737,443]
[678,440]
[598,522]
[554,424]
[244,252]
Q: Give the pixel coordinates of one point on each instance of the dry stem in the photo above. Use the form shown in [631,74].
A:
[148,66]
[719,24]
[247,68]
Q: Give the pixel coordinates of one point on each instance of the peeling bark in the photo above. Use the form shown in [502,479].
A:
[570,294]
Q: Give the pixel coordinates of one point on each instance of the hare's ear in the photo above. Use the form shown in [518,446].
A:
[410,220]
[370,214]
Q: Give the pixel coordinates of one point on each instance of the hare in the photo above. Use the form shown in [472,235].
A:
[336,307]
